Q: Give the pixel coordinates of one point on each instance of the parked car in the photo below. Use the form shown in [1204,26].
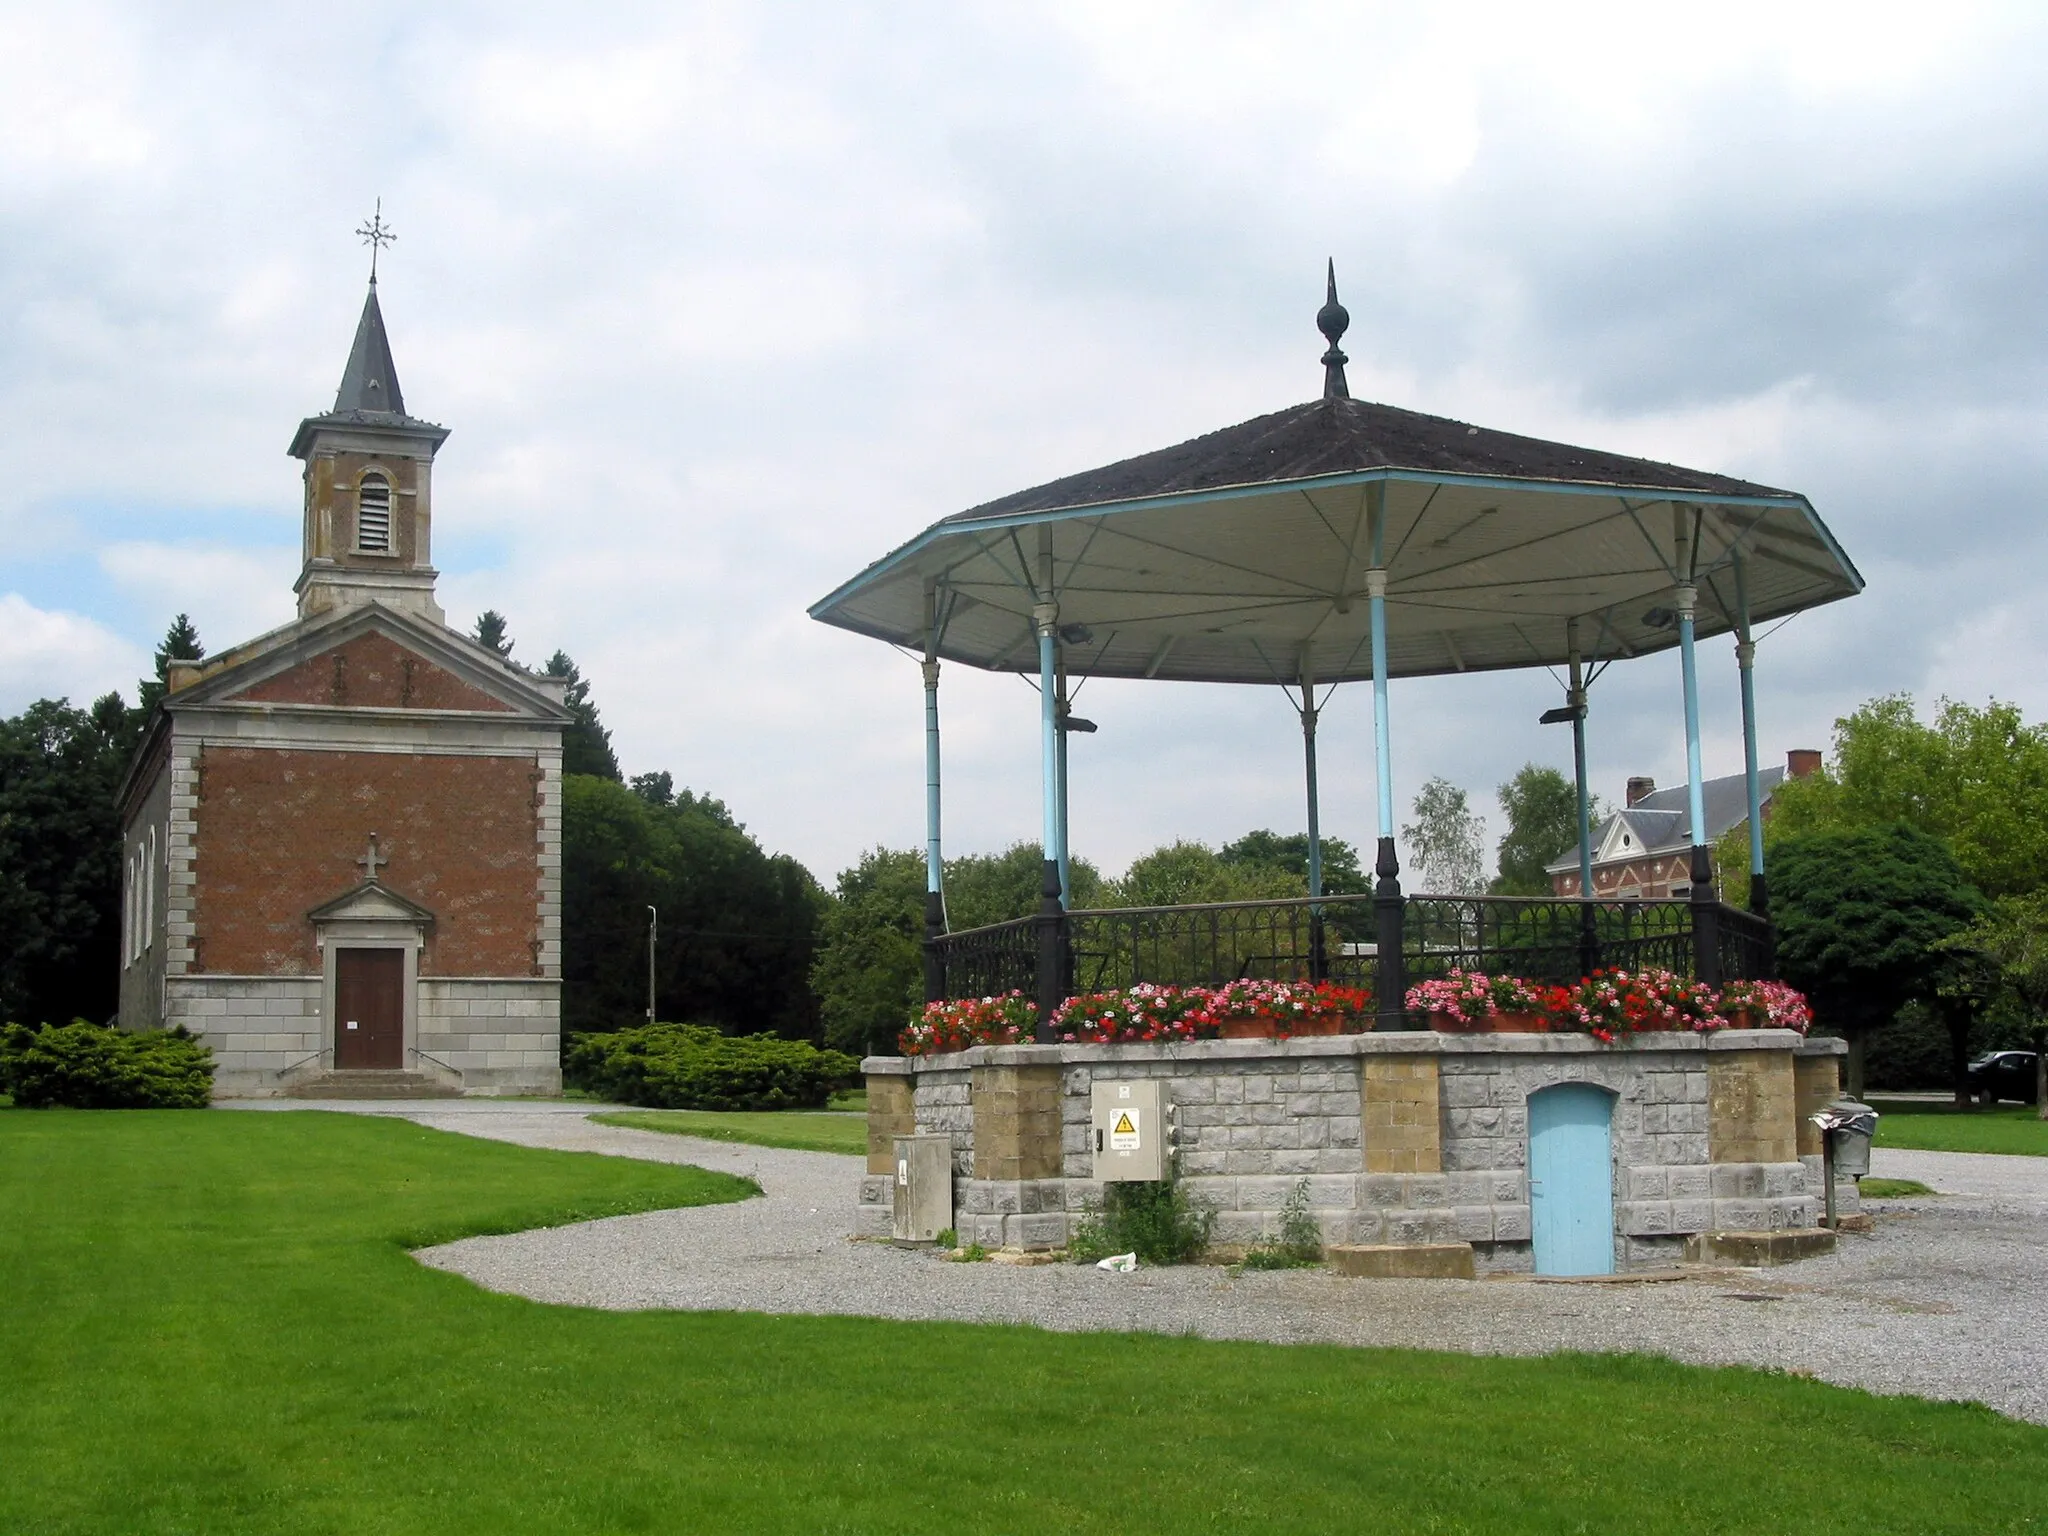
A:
[2005,1075]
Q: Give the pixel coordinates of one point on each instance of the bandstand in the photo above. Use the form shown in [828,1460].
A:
[1342,541]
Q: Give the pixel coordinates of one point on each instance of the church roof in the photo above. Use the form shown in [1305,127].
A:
[369,396]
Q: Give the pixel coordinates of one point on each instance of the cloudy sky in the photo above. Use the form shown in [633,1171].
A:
[723,301]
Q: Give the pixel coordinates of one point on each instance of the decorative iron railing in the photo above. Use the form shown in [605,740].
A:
[1335,938]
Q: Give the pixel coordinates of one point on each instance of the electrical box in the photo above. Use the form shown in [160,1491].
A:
[1128,1131]
[924,1187]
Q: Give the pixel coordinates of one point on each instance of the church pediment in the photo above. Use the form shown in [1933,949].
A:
[373,658]
[371,902]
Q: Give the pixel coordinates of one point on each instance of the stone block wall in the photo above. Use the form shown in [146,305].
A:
[264,1030]
[500,1035]
[1401,1138]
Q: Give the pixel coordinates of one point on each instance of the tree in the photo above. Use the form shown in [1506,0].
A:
[869,969]
[1186,872]
[1542,809]
[986,888]
[738,926]
[655,788]
[1289,855]
[1445,842]
[1977,778]
[2013,937]
[60,859]
[180,643]
[1861,918]
[490,631]
[586,744]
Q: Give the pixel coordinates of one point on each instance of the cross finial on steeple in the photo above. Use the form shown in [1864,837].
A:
[368,862]
[1333,319]
[376,235]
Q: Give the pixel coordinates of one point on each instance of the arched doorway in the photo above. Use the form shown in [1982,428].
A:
[1571,1179]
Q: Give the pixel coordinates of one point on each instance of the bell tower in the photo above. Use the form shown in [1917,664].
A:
[368,508]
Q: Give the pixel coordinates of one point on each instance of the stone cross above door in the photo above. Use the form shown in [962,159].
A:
[369,861]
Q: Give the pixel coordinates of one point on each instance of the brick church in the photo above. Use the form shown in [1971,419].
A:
[343,837]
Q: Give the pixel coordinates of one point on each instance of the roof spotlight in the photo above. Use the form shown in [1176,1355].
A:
[1076,634]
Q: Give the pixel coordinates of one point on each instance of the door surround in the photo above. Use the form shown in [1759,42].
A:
[371,917]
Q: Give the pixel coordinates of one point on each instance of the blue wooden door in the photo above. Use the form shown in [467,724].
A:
[1571,1180]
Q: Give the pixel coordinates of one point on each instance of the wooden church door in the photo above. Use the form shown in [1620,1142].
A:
[369,1009]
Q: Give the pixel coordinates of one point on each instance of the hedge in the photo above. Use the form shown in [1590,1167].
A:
[94,1066]
[693,1066]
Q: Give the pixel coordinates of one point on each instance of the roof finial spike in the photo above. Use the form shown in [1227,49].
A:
[1333,319]
[376,235]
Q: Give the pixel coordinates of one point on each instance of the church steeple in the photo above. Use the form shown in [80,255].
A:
[370,381]
[368,473]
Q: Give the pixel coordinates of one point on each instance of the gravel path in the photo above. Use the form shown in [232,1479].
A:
[1948,1298]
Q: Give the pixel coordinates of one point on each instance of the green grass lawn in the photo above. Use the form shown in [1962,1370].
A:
[211,1325]
[786,1128]
[1918,1126]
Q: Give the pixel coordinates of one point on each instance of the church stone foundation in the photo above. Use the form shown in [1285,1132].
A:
[1403,1138]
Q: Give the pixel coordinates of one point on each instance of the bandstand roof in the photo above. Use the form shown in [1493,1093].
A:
[1240,555]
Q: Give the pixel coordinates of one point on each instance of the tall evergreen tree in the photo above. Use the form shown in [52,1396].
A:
[180,643]
[490,631]
[586,744]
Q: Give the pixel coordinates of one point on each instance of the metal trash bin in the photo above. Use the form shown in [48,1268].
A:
[1846,1130]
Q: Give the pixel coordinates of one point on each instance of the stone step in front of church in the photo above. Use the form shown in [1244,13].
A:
[372,1085]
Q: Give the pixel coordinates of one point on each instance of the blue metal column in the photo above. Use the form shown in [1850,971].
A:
[1745,659]
[1052,918]
[1706,926]
[1392,984]
[934,865]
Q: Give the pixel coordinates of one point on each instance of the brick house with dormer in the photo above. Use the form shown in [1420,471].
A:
[343,838]
[1645,849]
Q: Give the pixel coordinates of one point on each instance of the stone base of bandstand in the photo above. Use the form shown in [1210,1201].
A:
[1403,1138]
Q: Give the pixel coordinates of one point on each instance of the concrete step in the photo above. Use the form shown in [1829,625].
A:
[371,1085]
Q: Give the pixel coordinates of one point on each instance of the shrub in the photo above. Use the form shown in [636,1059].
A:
[94,1066]
[693,1066]
[1299,1243]
[1156,1221]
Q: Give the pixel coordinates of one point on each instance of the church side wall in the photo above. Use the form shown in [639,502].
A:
[145,903]
[283,830]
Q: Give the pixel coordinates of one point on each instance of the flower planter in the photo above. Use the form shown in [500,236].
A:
[1323,1024]
[1521,1023]
[1451,1024]
[1245,1029]
[1744,1018]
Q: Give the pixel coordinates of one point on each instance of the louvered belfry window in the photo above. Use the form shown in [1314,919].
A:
[373,516]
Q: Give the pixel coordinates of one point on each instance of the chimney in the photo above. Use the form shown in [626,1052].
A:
[1800,762]
[1641,787]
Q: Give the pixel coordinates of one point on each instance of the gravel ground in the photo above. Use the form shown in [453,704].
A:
[1948,1298]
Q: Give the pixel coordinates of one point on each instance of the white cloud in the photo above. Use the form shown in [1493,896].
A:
[54,655]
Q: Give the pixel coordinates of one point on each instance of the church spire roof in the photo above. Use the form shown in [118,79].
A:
[370,381]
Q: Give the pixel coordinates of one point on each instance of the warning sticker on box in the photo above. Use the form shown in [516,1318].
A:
[1123,1136]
